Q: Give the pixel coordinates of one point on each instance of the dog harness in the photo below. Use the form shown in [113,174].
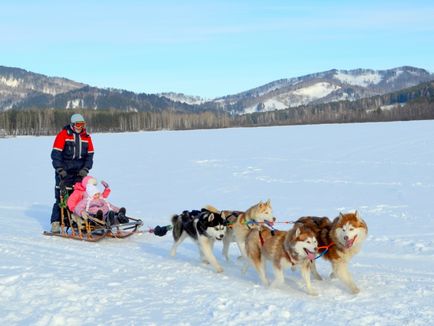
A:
[326,249]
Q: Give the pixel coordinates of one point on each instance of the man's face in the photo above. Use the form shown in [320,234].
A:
[79,126]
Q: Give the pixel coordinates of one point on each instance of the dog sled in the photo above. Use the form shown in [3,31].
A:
[88,227]
[93,230]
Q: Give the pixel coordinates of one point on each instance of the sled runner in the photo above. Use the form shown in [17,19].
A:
[89,228]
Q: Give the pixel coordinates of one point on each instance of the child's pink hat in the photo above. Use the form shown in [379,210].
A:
[88,180]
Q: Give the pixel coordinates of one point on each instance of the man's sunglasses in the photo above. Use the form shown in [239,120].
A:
[79,124]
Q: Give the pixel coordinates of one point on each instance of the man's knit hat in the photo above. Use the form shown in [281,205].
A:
[77,117]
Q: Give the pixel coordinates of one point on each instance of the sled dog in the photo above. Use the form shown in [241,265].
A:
[253,218]
[345,236]
[204,227]
[294,248]
[231,217]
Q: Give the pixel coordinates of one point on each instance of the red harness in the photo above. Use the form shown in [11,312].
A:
[261,238]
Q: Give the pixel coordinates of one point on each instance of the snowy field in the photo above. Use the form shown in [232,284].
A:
[384,170]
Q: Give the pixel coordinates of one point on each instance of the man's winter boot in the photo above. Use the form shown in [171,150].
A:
[55,227]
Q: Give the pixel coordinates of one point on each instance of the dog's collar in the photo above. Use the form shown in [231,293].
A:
[234,214]
[243,221]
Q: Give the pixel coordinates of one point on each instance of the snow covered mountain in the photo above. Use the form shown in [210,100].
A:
[18,84]
[329,86]
[21,89]
[182,98]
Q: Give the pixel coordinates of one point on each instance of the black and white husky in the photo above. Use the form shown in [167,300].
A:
[204,227]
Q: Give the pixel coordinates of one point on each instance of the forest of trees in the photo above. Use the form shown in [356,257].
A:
[413,104]
[50,121]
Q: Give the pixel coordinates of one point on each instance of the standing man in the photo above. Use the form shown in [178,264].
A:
[72,157]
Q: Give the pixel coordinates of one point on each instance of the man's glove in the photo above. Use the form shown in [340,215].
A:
[105,184]
[61,172]
[83,172]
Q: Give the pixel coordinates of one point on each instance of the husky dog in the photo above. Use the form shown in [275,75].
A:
[253,218]
[296,247]
[345,236]
[231,217]
[204,227]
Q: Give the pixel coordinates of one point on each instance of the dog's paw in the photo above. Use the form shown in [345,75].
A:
[219,269]
[173,253]
[244,268]
[275,284]
[355,289]
[313,293]
[317,277]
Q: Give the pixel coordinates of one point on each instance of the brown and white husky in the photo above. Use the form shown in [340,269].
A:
[253,218]
[344,237]
[294,248]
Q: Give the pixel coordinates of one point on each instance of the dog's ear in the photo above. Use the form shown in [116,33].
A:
[231,219]
[210,217]
[357,215]
[341,215]
[268,202]
[297,232]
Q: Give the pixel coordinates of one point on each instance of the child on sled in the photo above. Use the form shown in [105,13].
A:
[88,200]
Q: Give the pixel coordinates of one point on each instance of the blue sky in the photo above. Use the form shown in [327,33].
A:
[211,48]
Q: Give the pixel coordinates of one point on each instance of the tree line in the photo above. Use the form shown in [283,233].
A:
[50,121]
[415,103]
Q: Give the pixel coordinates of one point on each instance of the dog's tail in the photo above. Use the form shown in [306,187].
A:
[177,227]
[212,209]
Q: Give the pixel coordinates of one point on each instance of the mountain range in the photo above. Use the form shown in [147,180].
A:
[21,89]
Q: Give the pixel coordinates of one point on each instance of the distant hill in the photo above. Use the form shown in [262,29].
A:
[414,103]
[21,89]
[17,85]
[324,87]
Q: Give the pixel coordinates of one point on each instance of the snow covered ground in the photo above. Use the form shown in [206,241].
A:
[384,170]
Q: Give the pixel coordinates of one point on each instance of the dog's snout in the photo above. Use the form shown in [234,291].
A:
[346,238]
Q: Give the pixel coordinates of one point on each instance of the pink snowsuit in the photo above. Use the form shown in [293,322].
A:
[80,201]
